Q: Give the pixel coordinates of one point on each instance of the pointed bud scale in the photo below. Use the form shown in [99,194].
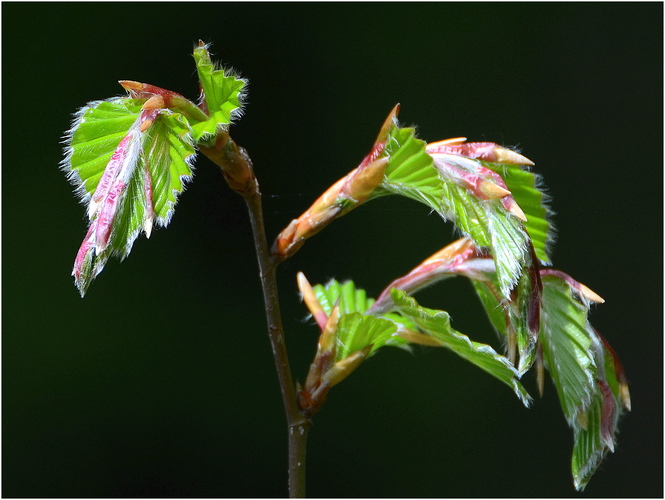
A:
[504,155]
[456,252]
[310,402]
[288,241]
[328,339]
[485,151]
[363,181]
[418,338]
[460,257]
[346,366]
[433,147]
[589,294]
[508,202]
[582,290]
[511,206]
[155,102]
[484,189]
[389,122]
[313,376]
[625,395]
[311,301]
[492,191]
[163,98]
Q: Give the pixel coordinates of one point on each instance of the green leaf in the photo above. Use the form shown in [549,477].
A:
[222,93]
[168,154]
[525,186]
[412,173]
[585,373]
[491,226]
[589,448]
[97,130]
[355,329]
[567,340]
[129,173]
[351,299]
[437,325]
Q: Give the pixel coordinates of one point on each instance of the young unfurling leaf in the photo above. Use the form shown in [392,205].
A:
[129,158]
[436,326]
[222,95]
[585,370]
[360,329]
[130,178]
[450,178]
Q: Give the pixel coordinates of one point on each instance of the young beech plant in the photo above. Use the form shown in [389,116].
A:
[130,156]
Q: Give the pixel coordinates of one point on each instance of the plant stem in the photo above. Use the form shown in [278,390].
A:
[298,424]
[241,178]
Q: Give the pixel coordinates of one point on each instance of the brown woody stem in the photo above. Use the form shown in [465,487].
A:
[298,425]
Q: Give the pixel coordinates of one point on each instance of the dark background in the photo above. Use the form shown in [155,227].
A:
[161,381]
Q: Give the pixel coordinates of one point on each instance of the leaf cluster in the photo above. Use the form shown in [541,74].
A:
[130,157]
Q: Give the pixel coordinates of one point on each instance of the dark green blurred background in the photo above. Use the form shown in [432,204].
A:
[160,382]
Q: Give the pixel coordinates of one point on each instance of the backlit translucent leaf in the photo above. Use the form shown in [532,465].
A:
[490,226]
[589,448]
[437,325]
[525,186]
[222,94]
[97,130]
[586,374]
[129,165]
[567,341]
[355,329]
[169,154]
[412,173]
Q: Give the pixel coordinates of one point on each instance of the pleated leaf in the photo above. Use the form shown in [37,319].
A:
[97,130]
[525,187]
[585,374]
[412,173]
[490,226]
[355,329]
[566,339]
[168,154]
[437,325]
[589,448]
[129,165]
[222,94]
